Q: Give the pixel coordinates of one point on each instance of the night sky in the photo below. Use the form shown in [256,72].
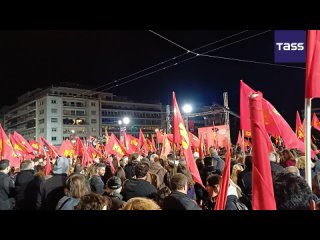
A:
[31,59]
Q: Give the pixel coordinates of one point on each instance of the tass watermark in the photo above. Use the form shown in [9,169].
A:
[290,46]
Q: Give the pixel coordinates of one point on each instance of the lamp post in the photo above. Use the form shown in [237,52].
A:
[124,121]
[187,108]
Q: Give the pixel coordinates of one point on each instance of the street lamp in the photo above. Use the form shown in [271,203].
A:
[124,121]
[187,108]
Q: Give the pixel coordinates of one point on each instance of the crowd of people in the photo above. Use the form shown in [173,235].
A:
[154,182]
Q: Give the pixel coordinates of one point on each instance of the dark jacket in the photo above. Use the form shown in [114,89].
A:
[51,191]
[179,201]
[27,189]
[138,188]
[97,185]
[206,171]
[276,168]
[231,203]
[7,201]
[117,200]
[129,169]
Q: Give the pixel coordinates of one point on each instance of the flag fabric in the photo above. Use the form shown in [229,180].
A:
[224,184]
[153,144]
[180,136]
[195,142]
[262,186]
[34,144]
[93,152]
[52,151]
[315,122]
[239,142]
[41,152]
[298,122]
[107,136]
[21,147]
[245,92]
[66,149]
[115,147]
[313,65]
[133,144]
[143,143]
[6,150]
[151,147]
[300,133]
[166,148]
[79,146]
[159,136]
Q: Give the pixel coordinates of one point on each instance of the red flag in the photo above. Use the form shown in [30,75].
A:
[315,122]
[201,151]
[52,150]
[21,146]
[6,150]
[33,143]
[224,184]
[151,148]
[41,152]
[166,148]
[195,142]
[93,153]
[313,65]
[115,147]
[245,92]
[66,149]
[180,136]
[153,144]
[262,187]
[298,122]
[239,142]
[107,136]
[143,143]
[159,136]
[79,146]
[133,144]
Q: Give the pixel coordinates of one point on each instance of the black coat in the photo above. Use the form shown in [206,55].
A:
[7,191]
[117,201]
[129,169]
[207,171]
[97,185]
[138,188]
[179,201]
[51,191]
[27,189]
[276,168]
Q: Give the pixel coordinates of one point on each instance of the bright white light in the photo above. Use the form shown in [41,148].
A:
[126,120]
[187,108]
[119,122]
[72,131]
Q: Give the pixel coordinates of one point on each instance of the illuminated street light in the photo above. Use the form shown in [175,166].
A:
[187,108]
[119,122]
[126,120]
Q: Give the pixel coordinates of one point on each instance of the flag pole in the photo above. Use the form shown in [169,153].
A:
[244,151]
[307,130]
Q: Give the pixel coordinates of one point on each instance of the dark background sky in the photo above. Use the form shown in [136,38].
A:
[31,59]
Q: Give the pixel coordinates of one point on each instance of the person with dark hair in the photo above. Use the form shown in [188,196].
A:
[178,199]
[113,191]
[288,158]
[292,192]
[121,174]
[78,169]
[93,201]
[7,189]
[138,186]
[129,168]
[96,183]
[52,189]
[26,187]
[76,187]
[208,169]
[191,192]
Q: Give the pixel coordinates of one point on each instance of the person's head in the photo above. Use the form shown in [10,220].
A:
[93,201]
[61,166]
[121,174]
[139,203]
[208,161]
[292,192]
[316,185]
[292,169]
[213,185]
[114,185]
[141,170]
[146,161]
[76,186]
[248,162]
[134,157]
[179,182]
[183,169]
[213,152]
[27,165]
[100,169]
[287,155]
[4,166]
[154,158]
[78,169]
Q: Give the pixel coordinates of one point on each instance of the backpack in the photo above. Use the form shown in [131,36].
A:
[240,205]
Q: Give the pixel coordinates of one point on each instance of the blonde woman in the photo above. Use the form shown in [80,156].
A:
[138,203]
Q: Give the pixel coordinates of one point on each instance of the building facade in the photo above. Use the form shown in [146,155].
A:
[61,112]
